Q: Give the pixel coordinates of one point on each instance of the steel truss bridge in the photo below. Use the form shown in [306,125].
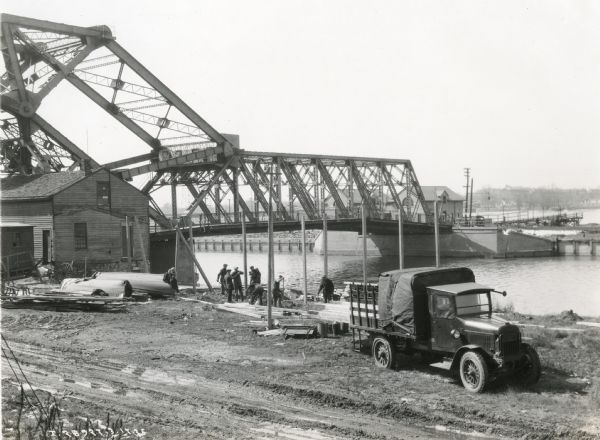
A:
[185,152]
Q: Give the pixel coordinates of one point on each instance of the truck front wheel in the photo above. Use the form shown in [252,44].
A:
[473,372]
[532,369]
[383,353]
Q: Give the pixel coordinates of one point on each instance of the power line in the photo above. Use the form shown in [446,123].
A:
[41,406]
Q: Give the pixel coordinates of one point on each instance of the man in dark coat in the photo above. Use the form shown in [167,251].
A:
[327,287]
[229,285]
[277,292]
[236,275]
[170,277]
[254,275]
[221,278]
[257,292]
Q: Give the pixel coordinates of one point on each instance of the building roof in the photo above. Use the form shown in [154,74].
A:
[430,193]
[37,186]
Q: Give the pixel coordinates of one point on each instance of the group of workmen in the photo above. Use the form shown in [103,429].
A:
[231,284]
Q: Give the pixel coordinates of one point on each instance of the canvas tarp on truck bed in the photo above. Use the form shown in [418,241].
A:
[402,293]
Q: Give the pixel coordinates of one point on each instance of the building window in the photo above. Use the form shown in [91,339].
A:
[103,194]
[80,236]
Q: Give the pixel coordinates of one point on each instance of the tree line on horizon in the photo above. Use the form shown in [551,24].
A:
[531,198]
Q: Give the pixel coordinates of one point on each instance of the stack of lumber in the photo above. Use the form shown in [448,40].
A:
[330,312]
[57,300]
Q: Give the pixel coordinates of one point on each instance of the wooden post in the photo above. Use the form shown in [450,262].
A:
[174,201]
[192,250]
[437,234]
[270,253]
[325,244]
[176,245]
[128,240]
[304,260]
[400,238]
[364,232]
[244,250]
[471,203]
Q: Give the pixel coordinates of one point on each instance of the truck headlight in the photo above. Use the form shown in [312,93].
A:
[455,333]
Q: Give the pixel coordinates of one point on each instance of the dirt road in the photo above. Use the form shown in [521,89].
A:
[183,370]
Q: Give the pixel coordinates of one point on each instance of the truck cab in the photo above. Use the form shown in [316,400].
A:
[443,314]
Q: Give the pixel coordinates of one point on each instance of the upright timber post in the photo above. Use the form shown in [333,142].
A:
[128,244]
[270,254]
[364,232]
[400,238]
[174,201]
[244,243]
[304,260]
[437,234]
[193,249]
[325,244]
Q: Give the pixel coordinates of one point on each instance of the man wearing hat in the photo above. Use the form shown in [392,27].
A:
[221,278]
[236,275]
[229,285]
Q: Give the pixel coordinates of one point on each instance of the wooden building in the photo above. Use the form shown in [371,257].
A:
[79,216]
[17,248]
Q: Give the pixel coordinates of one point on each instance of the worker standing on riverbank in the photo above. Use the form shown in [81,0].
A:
[327,287]
[228,281]
[254,275]
[277,293]
[221,278]
[236,275]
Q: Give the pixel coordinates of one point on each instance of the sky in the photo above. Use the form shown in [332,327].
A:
[510,89]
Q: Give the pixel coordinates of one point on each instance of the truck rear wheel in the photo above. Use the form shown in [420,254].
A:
[473,371]
[383,353]
[532,369]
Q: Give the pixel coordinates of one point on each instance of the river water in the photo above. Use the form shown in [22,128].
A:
[534,285]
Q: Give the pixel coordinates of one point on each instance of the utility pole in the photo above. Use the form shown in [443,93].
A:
[471,202]
[467,175]
[304,260]
[270,254]
[400,238]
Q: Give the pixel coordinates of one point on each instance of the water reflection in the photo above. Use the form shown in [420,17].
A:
[534,285]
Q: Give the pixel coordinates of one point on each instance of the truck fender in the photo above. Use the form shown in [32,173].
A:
[461,350]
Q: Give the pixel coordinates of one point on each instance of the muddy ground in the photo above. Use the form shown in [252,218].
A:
[184,370]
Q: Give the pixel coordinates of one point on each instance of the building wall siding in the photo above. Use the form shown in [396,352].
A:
[36,214]
[104,242]
[78,203]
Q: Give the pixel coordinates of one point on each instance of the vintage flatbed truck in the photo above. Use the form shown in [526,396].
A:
[444,315]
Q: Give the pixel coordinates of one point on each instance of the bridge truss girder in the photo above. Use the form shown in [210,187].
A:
[316,185]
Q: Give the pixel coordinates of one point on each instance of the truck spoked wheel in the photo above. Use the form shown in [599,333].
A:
[383,353]
[473,371]
[532,369]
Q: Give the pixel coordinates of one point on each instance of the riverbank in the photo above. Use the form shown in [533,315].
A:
[186,370]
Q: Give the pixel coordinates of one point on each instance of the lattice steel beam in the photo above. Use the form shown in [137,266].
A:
[40,54]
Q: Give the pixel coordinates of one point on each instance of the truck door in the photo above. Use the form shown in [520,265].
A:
[443,315]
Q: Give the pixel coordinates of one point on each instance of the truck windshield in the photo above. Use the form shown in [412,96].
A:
[474,303]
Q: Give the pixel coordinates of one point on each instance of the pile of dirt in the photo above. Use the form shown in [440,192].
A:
[569,316]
